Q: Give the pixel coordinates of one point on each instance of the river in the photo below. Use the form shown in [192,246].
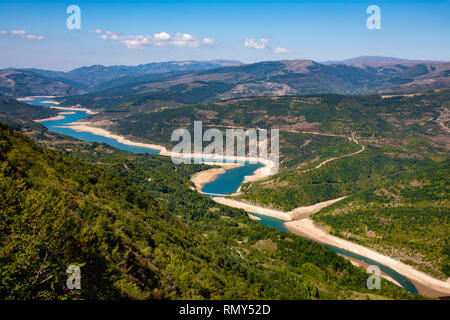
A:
[225,183]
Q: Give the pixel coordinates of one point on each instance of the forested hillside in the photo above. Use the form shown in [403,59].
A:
[407,217]
[15,113]
[333,146]
[20,83]
[137,231]
[266,78]
[400,126]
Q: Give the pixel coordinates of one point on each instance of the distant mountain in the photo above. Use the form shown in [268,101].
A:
[180,82]
[376,60]
[94,75]
[269,78]
[19,83]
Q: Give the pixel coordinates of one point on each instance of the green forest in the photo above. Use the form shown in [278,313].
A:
[402,136]
[407,217]
[137,231]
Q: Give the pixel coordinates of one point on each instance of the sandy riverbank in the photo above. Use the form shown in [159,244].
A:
[306,211]
[60,116]
[88,111]
[426,284]
[270,167]
[297,213]
[359,263]
[51,101]
[226,162]
[253,208]
[203,177]
[34,97]
[254,217]
[121,139]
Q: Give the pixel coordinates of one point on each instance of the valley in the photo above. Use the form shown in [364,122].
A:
[365,175]
[296,216]
[225,159]
[200,213]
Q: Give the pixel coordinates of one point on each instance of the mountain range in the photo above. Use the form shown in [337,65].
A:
[85,79]
[377,60]
[202,81]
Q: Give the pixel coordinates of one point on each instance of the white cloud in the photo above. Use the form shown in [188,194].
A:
[162,36]
[158,40]
[280,50]
[18,32]
[22,34]
[255,44]
[33,37]
[262,44]
[209,41]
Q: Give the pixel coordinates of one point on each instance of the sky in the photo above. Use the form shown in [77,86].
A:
[34,34]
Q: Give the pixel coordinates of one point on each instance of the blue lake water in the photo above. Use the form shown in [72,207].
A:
[54,125]
[271,222]
[225,183]
[230,181]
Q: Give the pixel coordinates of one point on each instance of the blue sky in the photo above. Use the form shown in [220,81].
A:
[34,33]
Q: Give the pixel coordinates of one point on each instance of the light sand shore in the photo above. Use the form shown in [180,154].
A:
[254,217]
[297,213]
[425,284]
[121,139]
[60,116]
[207,176]
[251,208]
[88,111]
[34,97]
[51,101]
[270,167]
[308,229]
[305,212]
[359,263]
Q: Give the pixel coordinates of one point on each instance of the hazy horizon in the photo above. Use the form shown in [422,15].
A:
[212,60]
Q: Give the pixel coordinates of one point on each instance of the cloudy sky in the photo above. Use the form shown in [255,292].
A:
[35,33]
